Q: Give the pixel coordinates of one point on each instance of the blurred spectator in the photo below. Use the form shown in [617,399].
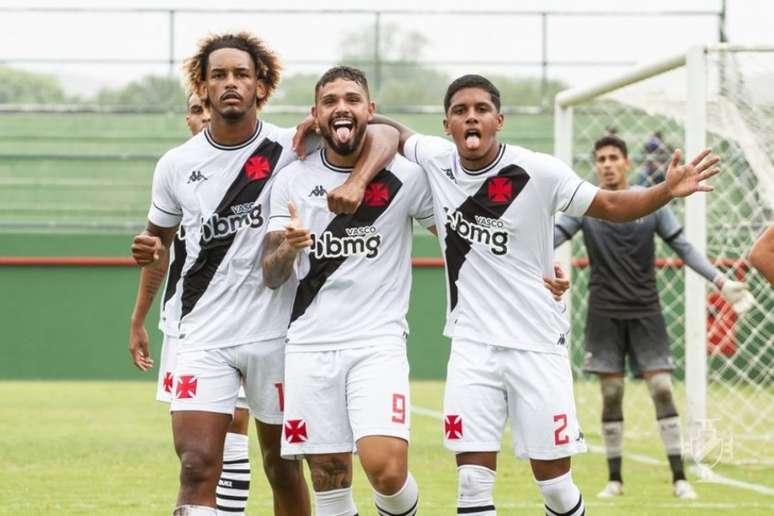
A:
[657,157]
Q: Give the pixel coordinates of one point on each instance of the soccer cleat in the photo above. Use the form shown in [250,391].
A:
[684,490]
[613,488]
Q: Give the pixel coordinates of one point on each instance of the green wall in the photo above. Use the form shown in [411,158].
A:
[72,322]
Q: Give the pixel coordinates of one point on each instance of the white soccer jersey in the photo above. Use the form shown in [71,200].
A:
[169,307]
[495,226]
[220,196]
[355,280]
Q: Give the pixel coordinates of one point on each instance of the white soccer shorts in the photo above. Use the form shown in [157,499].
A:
[334,398]
[167,360]
[486,385]
[210,380]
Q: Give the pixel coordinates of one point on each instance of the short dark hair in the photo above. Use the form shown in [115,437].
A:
[471,81]
[348,73]
[611,140]
[267,63]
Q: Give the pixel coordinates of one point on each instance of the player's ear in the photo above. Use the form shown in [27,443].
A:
[446,126]
[500,121]
[371,110]
[202,92]
[313,112]
[260,90]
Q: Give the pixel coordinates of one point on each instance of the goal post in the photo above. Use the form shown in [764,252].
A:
[714,96]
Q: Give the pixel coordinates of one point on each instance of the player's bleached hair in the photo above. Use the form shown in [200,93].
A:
[471,81]
[611,140]
[348,73]
[267,63]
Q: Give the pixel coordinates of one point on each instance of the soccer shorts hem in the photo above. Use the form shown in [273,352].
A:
[552,453]
[466,447]
[298,451]
[400,433]
[268,418]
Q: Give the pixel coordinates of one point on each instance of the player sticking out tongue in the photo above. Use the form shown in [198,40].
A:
[343,129]
[472,139]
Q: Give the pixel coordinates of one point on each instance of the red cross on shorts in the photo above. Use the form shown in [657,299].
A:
[295,431]
[168,381]
[499,189]
[257,168]
[186,387]
[452,425]
[376,194]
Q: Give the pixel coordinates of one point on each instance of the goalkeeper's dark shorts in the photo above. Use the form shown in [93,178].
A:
[610,341]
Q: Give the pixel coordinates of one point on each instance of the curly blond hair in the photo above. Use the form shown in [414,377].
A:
[267,63]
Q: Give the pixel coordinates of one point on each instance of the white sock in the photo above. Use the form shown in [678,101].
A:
[402,503]
[335,503]
[612,433]
[669,427]
[194,510]
[234,483]
[474,490]
[561,496]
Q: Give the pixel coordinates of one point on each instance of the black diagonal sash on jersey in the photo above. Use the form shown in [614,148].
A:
[320,269]
[176,269]
[480,204]
[242,190]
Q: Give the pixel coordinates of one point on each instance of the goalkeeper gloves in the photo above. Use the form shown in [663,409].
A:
[738,295]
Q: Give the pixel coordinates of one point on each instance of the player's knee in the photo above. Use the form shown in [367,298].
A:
[612,398]
[660,388]
[329,473]
[282,474]
[388,477]
[197,467]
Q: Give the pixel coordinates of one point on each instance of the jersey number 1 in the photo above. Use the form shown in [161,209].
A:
[398,408]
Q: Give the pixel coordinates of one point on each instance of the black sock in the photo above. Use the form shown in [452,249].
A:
[676,464]
[614,467]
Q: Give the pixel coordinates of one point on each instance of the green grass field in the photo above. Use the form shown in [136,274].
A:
[104,448]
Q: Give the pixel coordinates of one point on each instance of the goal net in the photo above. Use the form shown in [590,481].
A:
[719,97]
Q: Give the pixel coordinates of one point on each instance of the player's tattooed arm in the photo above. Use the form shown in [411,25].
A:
[280,249]
[681,181]
[381,145]
[404,133]
[149,250]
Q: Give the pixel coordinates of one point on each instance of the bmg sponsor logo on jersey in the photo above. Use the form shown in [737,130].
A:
[484,231]
[242,215]
[359,241]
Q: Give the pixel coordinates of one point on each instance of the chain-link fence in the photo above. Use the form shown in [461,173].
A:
[650,114]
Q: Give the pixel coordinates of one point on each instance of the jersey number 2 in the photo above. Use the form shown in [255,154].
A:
[560,439]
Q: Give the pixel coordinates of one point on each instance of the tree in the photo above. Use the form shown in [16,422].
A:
[150,92]
[22,87]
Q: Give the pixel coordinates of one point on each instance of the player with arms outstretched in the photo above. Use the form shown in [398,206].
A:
[624,314]
[494,206]
[232,326]
[346,367]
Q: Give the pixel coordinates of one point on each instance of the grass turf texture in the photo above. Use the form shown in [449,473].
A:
[104,448]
